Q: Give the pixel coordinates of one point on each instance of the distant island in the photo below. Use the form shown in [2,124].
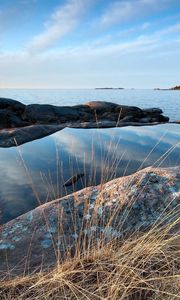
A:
[108,88]
[176,88]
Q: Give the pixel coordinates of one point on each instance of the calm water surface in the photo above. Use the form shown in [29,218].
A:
[169,101]
[35,172]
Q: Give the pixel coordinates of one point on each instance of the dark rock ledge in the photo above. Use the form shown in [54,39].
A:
[117,209]
[21,123]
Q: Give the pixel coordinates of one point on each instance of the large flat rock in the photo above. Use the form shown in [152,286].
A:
[117,209]
[20,135]
[12,105]
[25,123]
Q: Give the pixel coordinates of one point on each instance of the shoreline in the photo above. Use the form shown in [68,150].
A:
[22,123]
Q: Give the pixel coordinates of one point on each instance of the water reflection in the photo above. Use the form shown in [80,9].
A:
[35,172]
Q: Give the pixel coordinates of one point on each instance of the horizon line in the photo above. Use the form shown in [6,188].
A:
[81,88]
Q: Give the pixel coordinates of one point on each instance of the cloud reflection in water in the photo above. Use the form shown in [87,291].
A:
[102,154]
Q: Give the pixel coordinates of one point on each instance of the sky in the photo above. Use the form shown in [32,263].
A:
[89,43]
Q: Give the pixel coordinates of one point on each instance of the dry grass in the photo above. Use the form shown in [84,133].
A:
[143,267]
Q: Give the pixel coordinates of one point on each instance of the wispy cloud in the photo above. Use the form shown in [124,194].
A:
[122,11]
[61,22]
[137,45]
[173,29]
[140,43]
[105,55]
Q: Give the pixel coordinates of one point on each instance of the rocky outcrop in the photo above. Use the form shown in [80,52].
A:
[117,209]
[175,88]
[38,120]
[20,135]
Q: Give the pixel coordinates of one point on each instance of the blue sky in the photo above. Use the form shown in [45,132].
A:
[89,43]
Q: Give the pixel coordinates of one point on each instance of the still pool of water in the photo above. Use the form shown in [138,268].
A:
[35,172]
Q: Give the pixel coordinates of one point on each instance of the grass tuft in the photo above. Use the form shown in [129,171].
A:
[141,267]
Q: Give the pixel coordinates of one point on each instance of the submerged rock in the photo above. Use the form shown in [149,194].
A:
[73,179]
[116,209]
[95,114]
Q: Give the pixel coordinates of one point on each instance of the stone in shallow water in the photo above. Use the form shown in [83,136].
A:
[73,179]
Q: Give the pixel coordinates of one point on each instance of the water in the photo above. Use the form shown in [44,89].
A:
[35,172]
[169,101]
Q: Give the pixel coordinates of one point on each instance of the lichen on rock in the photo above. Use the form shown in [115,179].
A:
[117,209]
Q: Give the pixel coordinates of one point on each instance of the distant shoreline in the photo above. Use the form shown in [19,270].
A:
[108,88]
[176,88]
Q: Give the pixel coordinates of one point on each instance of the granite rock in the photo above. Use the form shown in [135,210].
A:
[12,105]
[20,135]
[95,114]
[119,208]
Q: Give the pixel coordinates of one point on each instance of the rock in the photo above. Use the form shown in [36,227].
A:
[161,118]
[19,136]
[67,113]
[40,113]
[83,108]
[128,119]
[175,122]
[5,116]
[9,119]
[101,106]
[152,111]
[124,110]
[46,114]
[147,120]
[176,88]
[12,105]
[93,124]
[116,209]
[95,114]
[73,179]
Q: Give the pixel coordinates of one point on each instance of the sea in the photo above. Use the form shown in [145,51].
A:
[35,173]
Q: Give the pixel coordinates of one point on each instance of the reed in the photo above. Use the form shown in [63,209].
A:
[142,266]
